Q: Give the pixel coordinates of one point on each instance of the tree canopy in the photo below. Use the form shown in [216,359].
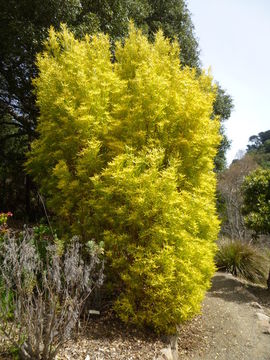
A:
[24,27]
[256,207]
[259,148]
[260,141]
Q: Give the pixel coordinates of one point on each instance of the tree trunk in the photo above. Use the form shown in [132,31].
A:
[268,281]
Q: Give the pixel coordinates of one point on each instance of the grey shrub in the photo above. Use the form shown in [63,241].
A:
[42,299]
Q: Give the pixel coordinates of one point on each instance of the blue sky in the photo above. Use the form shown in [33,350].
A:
[234,38]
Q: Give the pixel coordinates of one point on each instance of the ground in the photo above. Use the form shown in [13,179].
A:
[227,329]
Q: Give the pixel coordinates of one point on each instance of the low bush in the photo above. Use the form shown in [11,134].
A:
[41,301]
[242,260]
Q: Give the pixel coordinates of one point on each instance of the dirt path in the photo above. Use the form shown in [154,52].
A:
[228,328]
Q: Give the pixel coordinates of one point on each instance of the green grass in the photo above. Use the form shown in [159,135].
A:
[243,260]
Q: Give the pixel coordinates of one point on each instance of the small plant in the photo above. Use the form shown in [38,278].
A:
[3,221]
[44,298]
[242,260]
[44,235]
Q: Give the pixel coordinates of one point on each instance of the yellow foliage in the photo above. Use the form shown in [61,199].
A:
[125,156]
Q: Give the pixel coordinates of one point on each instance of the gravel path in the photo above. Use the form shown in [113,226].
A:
[228,328]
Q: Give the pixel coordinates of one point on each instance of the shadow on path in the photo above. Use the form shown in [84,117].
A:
[228,288]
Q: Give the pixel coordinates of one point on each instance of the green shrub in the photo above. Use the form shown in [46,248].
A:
[242,260]
[125,156]
[256,201]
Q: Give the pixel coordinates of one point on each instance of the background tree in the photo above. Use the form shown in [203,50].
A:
[256,206]
[256,187]
[230,196]
[231,200]
[243,208]
[223,106]
[24,27]
[259,148]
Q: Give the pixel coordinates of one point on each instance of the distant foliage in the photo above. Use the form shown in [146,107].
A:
[23,28]
[125,156]
[230,199]
[223,106]
[242,260]
[259,148]
[260,142]
[42,298]
[256,207]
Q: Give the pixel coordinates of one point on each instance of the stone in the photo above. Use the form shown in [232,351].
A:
[171,352]
[94,312]
[167,353]
[267,330]
[263,318]
[264,322]
[255,305]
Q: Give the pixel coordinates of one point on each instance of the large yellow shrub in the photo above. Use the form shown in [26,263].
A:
[125,155]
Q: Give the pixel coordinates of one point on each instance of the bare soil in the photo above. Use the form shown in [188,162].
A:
[228,327]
